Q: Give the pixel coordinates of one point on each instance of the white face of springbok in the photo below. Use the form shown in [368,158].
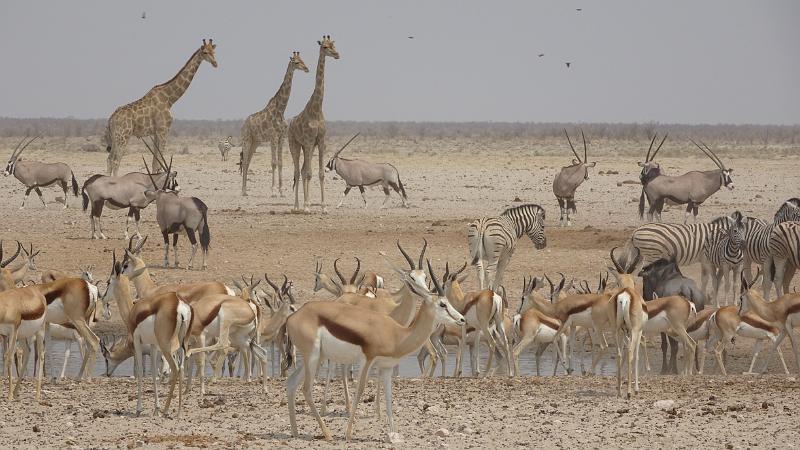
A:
[444,313]
[416,271]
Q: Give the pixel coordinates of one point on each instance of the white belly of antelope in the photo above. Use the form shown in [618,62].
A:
[55,312]
[749,331]
[146,331]
[27,328]
[657,324]
[338,350]
[546,334]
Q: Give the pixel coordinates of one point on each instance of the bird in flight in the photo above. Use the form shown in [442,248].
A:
[578,9]
[144,15]
[541,54]
[568,64]
[411,37]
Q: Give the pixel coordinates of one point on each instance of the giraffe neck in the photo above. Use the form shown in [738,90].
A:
[281,98]
[175,87]
[315,103]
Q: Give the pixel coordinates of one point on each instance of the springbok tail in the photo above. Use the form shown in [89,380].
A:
[288,353]
[184,326]
[623,308]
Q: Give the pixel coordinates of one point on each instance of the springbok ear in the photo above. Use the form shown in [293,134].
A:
[462,278]
[575,162]
[592,164]
[138,272]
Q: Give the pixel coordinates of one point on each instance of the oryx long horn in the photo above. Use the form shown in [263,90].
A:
[336,269]
[647,158]
[345,145]
[169,171]
[405,255]
[147,168]
[17,153]
[14,152]
[422,253]
[585,158]
[614,261]
[358,269]
[659,146]
[716,158]
[570,145]
[706,153]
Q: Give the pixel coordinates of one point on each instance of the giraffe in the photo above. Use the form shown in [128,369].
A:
[307,130]
[268,125]
[150,115]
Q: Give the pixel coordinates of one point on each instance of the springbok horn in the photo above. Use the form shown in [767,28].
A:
[405,255]
[635,261]
[140,244]
[570,145]
[113,260]
[336,269]
[355,274]
[277,290]
[458,272]
[659,147]
[585,157]
[12,258]
[614,261]
[552,287]
[422,253]
[647,158]
[285,285]
[335,155]
[446,271]
[436,284]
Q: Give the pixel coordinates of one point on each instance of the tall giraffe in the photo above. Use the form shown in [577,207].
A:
[307,130]
[150,115]
[268,125]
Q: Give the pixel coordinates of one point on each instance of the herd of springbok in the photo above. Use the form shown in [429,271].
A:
[366,325]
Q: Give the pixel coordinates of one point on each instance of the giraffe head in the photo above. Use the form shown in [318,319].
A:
[297,62]
[207,52]
[327,47]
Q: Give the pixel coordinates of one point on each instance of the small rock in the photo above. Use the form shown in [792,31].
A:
[394,438]
[36,429]
[664,405]
[729,446]
[623,410]
[765,405]
[557,422]
[235,416]
[739,407]
[434,409]
[619,183]
[69,425]
[517,200]
[791,379]
[443,432]
[466,429]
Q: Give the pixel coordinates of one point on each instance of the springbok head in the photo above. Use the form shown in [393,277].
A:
[207,52]
[578,161]
[297,62]
[623,269]
[349,286]
[12,161]
[725,173]
[650,168]
[331,165]
[30,255]
[327,47]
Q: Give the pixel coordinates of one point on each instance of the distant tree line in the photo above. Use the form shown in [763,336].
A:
[737,134]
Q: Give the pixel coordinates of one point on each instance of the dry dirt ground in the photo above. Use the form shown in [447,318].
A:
[449,182]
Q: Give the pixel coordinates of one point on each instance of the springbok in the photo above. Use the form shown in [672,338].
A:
[534,327]
[690,189]
[348,334]
[568,180]
[174,213]
[22,316]
[126,191]
[34,174]
[360,174]
[726,323]
[19,273]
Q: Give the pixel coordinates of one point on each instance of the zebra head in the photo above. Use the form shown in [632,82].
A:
[789,211]
[536,231]
[736,229]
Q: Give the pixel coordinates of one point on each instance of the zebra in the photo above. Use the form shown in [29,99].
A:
[682,243]
[784,250]
[492,240]
[757,237]
[723,254]
[225,147]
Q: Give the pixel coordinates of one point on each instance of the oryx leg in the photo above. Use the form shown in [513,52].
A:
[39,193]
[193,241]
[561,208]
[363,195]
[27,193]
[386,193]
[175,248]
[65,188]
[346,191]
[166,248]
[689,208]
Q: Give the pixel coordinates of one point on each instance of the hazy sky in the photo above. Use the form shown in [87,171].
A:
[678,61]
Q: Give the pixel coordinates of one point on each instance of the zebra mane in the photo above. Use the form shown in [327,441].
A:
[789,211]
[522,208]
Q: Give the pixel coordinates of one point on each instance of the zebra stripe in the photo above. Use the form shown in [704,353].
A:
[225,147]
[725,248]
[784,242]
[492,240]
[679,242]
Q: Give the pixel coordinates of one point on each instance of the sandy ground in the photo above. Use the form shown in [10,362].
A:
[449,182]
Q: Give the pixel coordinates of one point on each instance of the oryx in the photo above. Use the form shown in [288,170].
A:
[568,180]
[126,191]
[358,173]
[174,213]
[34,174]
[691,188]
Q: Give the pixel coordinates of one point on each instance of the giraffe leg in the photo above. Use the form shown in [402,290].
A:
[274,164]
[295,150]
[321,147]
[248,148]
[307,154]
[280,165]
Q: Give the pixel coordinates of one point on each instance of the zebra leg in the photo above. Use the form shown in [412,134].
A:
[346,191]
[779,266]
[766,281]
